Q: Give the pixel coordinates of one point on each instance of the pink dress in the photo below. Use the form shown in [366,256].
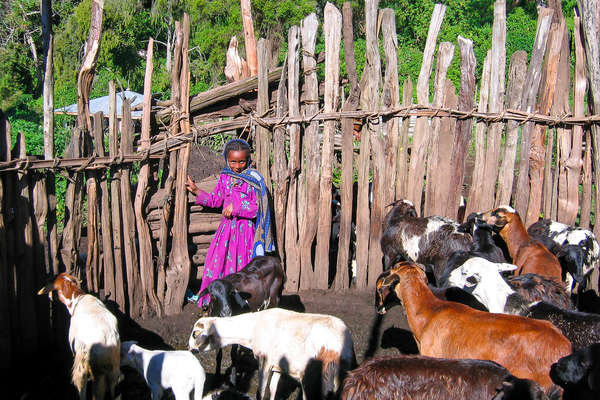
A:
[231,248]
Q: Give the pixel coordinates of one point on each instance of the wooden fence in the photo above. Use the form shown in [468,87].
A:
[528,151]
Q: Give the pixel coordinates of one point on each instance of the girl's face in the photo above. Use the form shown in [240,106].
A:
[237,160]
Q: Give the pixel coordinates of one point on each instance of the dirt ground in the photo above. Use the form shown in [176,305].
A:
[371,336]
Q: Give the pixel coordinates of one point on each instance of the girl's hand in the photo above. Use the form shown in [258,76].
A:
[227,211]
[190,185]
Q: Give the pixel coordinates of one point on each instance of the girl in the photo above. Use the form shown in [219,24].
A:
[245,229]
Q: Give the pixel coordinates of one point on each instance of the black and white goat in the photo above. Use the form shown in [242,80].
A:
[428,241]
[576,248]
[93,337]
[315,349]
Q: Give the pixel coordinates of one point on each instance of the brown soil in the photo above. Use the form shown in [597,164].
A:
[371,336]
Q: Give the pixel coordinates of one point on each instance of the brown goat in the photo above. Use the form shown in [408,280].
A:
[423,378]
[530,255]
[446,329]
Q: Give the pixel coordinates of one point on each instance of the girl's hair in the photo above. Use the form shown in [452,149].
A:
[237,145]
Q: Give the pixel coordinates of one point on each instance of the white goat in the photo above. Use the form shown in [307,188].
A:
[482,279]
[315,349]
[179,371]
[93,337]
[512,295]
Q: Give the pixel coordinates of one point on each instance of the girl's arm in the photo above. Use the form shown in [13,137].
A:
[244,202]
[213,199]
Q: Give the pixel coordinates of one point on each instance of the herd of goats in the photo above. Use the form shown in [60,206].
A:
[497,311]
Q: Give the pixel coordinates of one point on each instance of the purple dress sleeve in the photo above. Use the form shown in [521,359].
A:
[215,198]
[244,201]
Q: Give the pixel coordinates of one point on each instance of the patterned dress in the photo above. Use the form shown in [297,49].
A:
[231,248]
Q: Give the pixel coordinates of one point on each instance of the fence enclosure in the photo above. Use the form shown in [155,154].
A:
[530,150]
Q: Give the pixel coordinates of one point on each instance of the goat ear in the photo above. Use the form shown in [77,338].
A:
[505,267]
[390,280]
[47,289]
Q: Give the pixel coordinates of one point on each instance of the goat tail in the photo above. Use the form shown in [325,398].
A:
[82,371]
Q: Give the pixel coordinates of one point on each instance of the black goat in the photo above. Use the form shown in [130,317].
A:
[579,374]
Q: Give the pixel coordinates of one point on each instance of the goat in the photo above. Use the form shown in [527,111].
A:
[315,349]
[257,286]
[530,255]
[576,248]
[428,240]
[582,329]
[526,347]
[93,337]
[579,374]
[179,371]
[509,295]
[483,245]
[420,377]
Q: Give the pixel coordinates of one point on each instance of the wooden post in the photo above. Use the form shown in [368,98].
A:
[568,206]
[93,251]
[342,281]
[332,30]
[369,98]
[249,38]
[145,241]
[6,343]
[439,154]
[24,278]
[178,273]
[390,100]
[172,172]
[279,170]
[420,135]
[115,206]
[538,148]
[586,194]
[531,86]
[514,93]
[138,302]
[292,254]
[263,135]
[464,127]
[496,105]
[403,159]
[307,212]
[474,203]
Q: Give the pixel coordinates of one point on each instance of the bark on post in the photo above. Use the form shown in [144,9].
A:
[24,278]
[390,100]
[473,204]
[178,273]
[144,240]
[138,302]
[568,203]
[586,194]
[369,98]
[403,159]
[93,251]
[496,104]
[342,281]
[6,344]
[115,205]
[279,170]
[420,136]
[439,154]
[292,254]
[332,30]
[538,149]
[514,93]
[41,266]
[531,86]
[249,38]
[263,135]
[307,213]
[464,127]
